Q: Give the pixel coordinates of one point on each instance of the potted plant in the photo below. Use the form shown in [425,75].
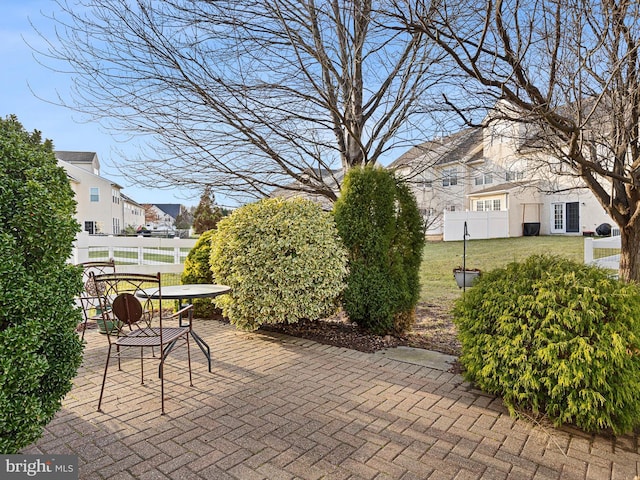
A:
[465,277]
[108,326]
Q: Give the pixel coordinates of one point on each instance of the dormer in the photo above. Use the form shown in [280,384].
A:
[86,160]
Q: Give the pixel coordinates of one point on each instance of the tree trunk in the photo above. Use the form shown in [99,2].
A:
[630,253]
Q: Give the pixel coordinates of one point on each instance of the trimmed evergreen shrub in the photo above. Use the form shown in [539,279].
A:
[556,337]
[40,351]
[197,269]
[283,260]
[380,224]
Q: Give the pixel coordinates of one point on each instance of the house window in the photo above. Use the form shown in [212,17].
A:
[513,176]
[449,177]
[115,196]
[90,227]
[427,212]
[488,205]
[94,194]
[116,226]
[484,179]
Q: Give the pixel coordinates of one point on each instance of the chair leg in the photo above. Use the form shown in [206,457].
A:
[141,365]
[104,378]
[189,361]
[84,327]
[162,356]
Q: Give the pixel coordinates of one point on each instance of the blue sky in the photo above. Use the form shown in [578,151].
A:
[23,80]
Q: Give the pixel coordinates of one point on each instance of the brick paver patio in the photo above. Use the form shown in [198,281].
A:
[277,407]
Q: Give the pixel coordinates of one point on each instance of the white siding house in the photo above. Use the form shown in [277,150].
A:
[162,216]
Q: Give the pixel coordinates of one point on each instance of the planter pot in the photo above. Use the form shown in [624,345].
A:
[466,278]
[107,327]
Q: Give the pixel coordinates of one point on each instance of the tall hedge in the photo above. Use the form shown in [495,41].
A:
[283,260]
[40,351]
[555,337]
[197,269]
[379,221]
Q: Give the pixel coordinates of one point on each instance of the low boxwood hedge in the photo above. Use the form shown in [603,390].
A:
[555,337]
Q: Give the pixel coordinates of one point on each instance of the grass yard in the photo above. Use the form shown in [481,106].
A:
[440,258]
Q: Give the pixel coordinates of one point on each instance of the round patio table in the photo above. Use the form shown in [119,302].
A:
[188,293]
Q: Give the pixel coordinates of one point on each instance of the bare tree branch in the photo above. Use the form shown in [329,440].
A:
[568,72]
[247,96]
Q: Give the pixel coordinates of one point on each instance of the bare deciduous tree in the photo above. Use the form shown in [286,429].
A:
[246,95]
[569,72]
[150,213]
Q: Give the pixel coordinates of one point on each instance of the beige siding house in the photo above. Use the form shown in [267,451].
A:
[485,177]
[101,206]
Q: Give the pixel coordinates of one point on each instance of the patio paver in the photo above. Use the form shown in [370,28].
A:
[277,407]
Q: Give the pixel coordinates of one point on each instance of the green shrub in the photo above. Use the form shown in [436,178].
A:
[380,224]
[556,337]
[197,269]
[40,351]
[283,260]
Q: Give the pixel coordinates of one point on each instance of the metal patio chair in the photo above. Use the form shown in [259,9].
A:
[136,323]
[89,299]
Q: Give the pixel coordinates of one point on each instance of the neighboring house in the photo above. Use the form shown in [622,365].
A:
[487,178]
[162,216]
[133,212]
[101,206]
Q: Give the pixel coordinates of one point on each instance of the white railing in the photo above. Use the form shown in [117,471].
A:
[138,254]
[603,252]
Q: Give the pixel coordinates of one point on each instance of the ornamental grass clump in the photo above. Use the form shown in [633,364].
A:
[283,260]
[555,337]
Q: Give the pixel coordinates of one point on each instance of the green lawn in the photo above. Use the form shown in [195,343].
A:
[440,258]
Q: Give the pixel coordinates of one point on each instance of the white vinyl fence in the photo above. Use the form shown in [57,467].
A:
[603,252]
[136,254]
[480,225]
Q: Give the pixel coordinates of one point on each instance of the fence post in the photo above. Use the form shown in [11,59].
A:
[140,255]
[588,250]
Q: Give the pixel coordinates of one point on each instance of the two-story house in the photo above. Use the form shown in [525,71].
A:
[487,178]
[162,216]
[102,208]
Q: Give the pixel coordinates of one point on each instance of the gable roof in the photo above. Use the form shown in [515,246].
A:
[501,188]
[463,146]
[70,168]
[171,209]
[76,157]
[128,199]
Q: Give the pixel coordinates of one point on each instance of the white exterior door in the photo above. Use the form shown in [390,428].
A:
[557,218]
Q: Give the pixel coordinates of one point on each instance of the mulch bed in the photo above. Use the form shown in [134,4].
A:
[434,330]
